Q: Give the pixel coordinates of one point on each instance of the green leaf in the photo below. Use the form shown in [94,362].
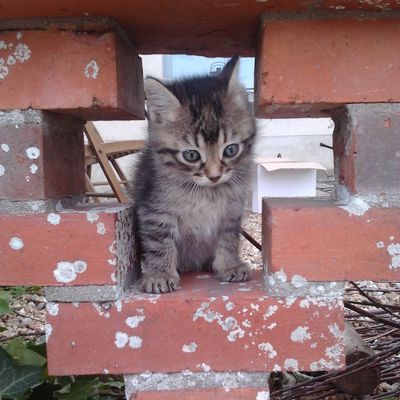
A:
[16,380]
[4,306]
[2,329]
[78,390]
[22,355]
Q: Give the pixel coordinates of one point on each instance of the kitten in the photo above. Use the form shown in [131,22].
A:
[191,181]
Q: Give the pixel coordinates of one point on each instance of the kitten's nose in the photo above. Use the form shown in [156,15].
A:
[214,178]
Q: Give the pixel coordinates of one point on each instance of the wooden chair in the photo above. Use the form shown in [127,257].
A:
[106,155]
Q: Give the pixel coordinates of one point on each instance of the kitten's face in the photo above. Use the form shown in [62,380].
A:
[202,128]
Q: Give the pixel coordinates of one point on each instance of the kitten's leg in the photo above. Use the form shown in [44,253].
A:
[227,265]
[159,254]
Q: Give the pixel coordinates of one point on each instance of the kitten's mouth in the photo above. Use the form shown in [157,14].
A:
[212,182]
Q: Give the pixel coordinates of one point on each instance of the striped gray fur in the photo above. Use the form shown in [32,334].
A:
[188,213]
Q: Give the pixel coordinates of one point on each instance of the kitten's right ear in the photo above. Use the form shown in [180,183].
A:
[161,103]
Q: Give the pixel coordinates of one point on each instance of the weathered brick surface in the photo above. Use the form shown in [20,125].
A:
[324,242]
[206,326]
[93,76]
[367,148]
[41,155]
[307,66]
[205,394]
[65,248]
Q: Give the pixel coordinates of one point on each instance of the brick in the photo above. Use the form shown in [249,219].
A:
[306,67]
[205,394]
[367,148]
[65,248]
[230,27]
[321,241]
[206,326]
[90,75]
[41,156]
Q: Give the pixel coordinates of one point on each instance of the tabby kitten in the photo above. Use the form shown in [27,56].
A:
[191,181]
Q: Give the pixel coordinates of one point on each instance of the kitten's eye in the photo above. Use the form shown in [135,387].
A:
[191,155]
[231,150]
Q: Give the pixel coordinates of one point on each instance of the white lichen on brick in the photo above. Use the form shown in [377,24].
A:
[291,364]
[106,371]
[134,321]
[244,289]
[270,312]
[121,339]
[135,342]
[101,229]
[189,348]
[304,303]
[33,168]
[2,170]
[3,69]
[272,326]
[92,216]
[67,271]
[48,330]
[335,330]
[52,308]
[5,147]
[268,349]
[16,243]
[276,368]
[22,52]
[300,334]
[380,245]
[92,69]
[228,324]
[225,298]
[289,301]
[335,352]
[11,60]
[112,261]
[54,219]
[229,306]
[281,275]
[33,153]
[205,367]
[394,251]
[262,395]
[255,306]
[356,206]
[19,35]
[246,323]
[298,281]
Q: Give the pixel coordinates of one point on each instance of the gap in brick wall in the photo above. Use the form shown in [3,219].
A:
[297,139]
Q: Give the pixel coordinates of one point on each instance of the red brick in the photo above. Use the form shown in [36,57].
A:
[323,242]
[42,156]
[226,28]
[34,247]
[205,394]
[308,66]
[207,325]
[366,147]
[93,76]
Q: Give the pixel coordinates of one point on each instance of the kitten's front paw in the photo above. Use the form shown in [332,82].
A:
[239,273]
[160,283]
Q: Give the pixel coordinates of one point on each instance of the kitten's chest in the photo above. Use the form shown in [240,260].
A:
[202,218]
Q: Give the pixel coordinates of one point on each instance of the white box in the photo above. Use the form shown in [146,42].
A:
[279,177]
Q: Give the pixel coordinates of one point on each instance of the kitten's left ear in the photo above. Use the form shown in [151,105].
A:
[230,72]
[235,90]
